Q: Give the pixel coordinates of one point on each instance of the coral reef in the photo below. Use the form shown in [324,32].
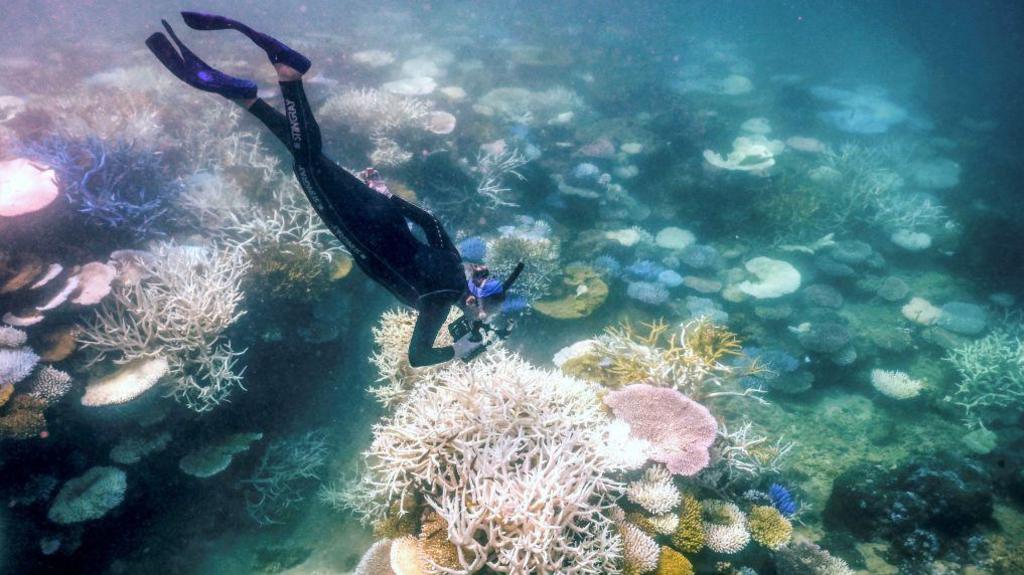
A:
[180,312]
[559,430]
[806,558]
[655,491]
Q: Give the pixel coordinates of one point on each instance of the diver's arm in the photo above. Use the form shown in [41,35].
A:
[436,236]
[432,313]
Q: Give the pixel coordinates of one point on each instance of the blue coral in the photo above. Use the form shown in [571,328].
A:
[645,270]
[473,249]
[608,266]
[116,185]
[782,500]
[647,292]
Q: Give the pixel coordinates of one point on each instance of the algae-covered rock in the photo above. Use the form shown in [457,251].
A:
[584,291]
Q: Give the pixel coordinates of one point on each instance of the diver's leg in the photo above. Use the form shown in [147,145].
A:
[193,71]
[305,142]
[277,51]
[271,118]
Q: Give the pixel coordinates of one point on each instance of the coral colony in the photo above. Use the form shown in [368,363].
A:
[747,336]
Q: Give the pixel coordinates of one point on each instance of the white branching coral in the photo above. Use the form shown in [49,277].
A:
[510,456]
[895,384]
[375,112]
[289,223]
[725,526]
[991,371]
[655,491]
[741,453]
[179,312]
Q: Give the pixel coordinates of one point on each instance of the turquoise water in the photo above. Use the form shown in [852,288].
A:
[769,322]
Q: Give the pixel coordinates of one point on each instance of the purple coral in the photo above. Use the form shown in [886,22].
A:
[679,429]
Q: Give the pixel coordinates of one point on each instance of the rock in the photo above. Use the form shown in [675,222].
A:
[893,289]
[702,285]
[921,507]
[822,295]
[825,337]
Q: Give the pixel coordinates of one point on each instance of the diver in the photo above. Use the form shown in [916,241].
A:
[368,219]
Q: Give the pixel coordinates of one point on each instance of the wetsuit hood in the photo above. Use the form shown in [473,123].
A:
[489,288]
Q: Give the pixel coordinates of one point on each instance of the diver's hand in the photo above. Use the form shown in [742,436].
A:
[466,350]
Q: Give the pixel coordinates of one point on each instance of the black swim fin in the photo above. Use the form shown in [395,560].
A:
[276,50]
[190,69]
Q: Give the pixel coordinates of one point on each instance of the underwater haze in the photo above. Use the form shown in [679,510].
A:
[770,320]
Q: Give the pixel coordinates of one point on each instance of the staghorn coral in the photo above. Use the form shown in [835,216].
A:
[768,527]
[689,534]
[672,562]
[742,454]
[659,356]
[655,491]
[116,185]
[180,312]
[712,342]
[452,441]
[278,482]
[991,371]
[725,526]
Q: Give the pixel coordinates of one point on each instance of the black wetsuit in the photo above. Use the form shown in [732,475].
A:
[372,225]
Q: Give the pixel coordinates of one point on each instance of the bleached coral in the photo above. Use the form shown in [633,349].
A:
[16,364]
[180,312]
[725,526]
[376,113]
[50,385]
[392,335]
[655,491]
[991,371]
[12,337]
[640,550]
[522,106]
[895,384]
[510,456]
[754,154]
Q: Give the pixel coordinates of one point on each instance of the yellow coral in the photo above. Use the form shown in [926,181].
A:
[22,418]
[643,522]
[768,527]
[672,562]
[689,535]
[709,341]
[398,523]
[582,292]
[434,541]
